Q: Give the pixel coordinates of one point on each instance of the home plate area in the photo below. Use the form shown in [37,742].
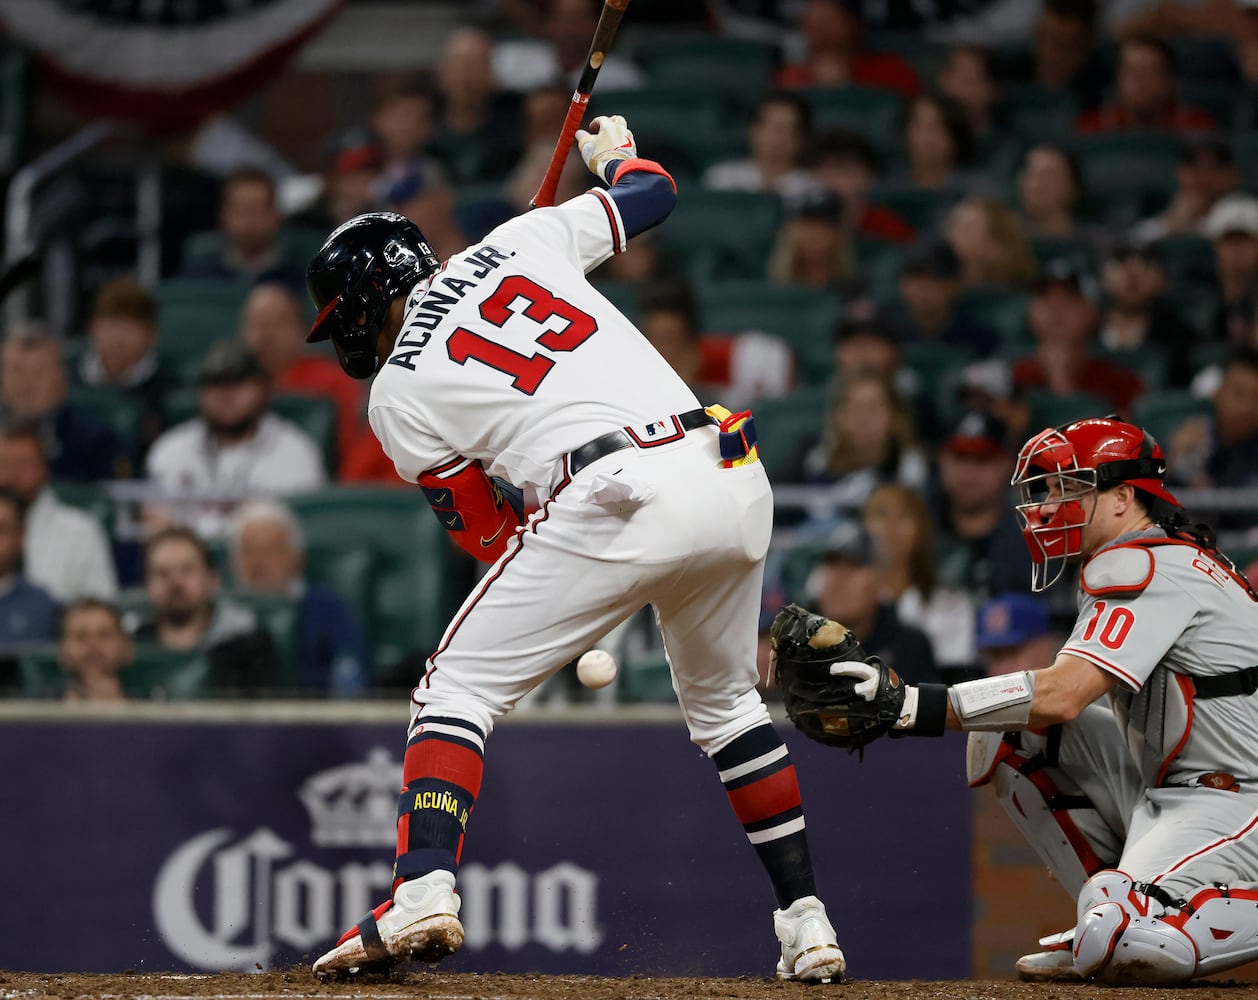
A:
[293,983]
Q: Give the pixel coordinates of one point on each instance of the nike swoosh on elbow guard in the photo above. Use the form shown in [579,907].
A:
[486,542]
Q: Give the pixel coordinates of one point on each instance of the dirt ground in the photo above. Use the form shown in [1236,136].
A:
[435,986]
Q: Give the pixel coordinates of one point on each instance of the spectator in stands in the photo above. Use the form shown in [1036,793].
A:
[123,352]
[1205,174]
[478,127]
[1063,318]
[990,244]
[987,386]
[273,327]
[939,144]
[846,163]
[267,557]
[558,51]
[834,53]
[981,550]
[846,586]
[93,650]
[733,367]
[812,249]
[189,616]
[966,78]
[249,220]
[1064,52]
[639,264]
[403,122]
[28,613]
[1050,184]
[868,439]
[1232,226]
[33,385]
[527,175]
[1136,316]
[1014,634]
[67,551]
[1222,449]
[897,519]
[350,186]
[864,344]
[776,139]
[426,199]
[1145,94]
[235,447]
[930,308]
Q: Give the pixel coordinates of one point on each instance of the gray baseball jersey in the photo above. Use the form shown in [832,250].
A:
[1156,613]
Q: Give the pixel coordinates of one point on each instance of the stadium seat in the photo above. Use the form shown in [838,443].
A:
[1048,248]
[1149,362]
[15,105]
[348,570]
[1128,162]
[316,415]
[39,674]
[1197,307]
[733,231]
[163,675]
[1048,409]
[646,680]
[685,131]
[1218,100]
[1189,261]
[417,585]
[873,113]
[935,366]
[193,314]
[1002,310]
[787,427]
[805,318]
[1160,413]
[921,209]
[737,69]
[277,613]
[1039,114]
[622,294]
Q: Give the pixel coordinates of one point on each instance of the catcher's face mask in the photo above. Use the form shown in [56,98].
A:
[1055,508]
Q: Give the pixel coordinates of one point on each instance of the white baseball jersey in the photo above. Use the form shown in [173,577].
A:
[1156,617]
[514,359]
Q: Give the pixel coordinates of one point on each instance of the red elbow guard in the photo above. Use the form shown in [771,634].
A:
[472,508]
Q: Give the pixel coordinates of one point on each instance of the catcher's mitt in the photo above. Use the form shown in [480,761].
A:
[826,708]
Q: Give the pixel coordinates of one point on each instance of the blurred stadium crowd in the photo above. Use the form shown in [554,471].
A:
[907,244]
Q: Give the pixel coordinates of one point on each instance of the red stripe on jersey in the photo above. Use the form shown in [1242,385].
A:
[445,761]
[1187,689]
[1209,847]
[773,794]
[617,237]
[1103,663]
[646,166]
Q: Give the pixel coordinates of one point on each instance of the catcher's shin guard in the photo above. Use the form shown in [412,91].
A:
[1128,935]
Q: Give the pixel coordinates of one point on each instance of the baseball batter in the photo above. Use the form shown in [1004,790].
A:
[1145,806]
[504,368]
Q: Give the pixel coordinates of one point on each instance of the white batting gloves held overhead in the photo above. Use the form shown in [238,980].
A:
[611,141]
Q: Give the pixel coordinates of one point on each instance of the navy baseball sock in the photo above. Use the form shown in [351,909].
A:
[760,781]
[441,775]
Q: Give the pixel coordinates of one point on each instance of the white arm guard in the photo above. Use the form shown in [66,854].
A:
[994,704]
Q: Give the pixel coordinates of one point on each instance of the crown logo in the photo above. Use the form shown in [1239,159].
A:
[354,805]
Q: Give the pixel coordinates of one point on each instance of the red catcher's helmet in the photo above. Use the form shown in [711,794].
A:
[1059,467]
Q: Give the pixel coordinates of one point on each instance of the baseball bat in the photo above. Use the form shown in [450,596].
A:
[608,22]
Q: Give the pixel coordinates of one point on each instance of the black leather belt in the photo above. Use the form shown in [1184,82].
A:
[627,437]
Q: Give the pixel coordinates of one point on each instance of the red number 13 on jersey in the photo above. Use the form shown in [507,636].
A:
[527,371]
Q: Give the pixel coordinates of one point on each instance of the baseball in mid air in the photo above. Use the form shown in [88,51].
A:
[596,669]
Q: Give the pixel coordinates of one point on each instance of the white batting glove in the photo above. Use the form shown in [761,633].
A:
[610,141]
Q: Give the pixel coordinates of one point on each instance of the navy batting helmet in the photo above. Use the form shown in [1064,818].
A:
[354,278]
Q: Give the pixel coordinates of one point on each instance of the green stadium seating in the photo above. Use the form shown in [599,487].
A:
[278,614]
[1039,114]
[316,415]
[805,318]
[1149,362]
[921,209]
[193,314]
[787,427]
[937,367]
[1196,307]
[39,673]
[416,585]
[1127,162]
[15,105]
[164,675]
[798,562]
[1189,261]
[1002,310]
[348,570]
[1052,248]
[731,231]
[1160,413]
[1216,99]
[737,69]
[685,131]
[1047,409]
[622,294]
[873,113]
[646,680]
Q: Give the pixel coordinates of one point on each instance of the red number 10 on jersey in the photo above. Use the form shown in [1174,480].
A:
[527,371]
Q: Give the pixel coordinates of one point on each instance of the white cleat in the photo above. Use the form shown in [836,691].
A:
[1055,964]
[810,950]
[420,924]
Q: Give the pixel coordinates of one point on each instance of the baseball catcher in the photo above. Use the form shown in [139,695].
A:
[1129,763]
